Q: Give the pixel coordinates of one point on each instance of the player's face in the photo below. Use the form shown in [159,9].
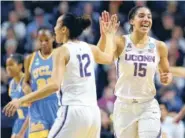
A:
[60,31]
[142,21]
[45,39]
[12,67]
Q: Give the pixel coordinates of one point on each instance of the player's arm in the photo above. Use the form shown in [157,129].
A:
[24,128]
[26,82]
[164,68]
[107,56]
[59,61]
[178,71]
[61,57]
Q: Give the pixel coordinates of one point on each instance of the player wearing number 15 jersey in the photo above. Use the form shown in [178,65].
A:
[137,57]
[43,112]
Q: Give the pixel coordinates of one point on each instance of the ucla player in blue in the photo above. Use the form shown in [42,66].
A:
[38,68]
[14,65]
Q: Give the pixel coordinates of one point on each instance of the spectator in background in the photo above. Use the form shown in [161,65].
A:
[106,123]
[10,48]
[23,13]
[170,129]
[18,26]
[173,53]
[90,35]
[177,34]
[107,101]
[165,25]
[39,21]
[61,9]
[169,96]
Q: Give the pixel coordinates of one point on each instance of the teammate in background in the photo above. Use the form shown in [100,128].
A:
[38,69]
[137,57]
[73,74]
[14,66]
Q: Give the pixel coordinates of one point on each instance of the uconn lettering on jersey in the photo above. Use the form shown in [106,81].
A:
[135,57]
[144,58]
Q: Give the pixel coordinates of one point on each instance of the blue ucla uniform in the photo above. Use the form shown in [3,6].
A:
[15,92]
[43,112]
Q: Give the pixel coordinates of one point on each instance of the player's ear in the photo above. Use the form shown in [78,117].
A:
[64,29]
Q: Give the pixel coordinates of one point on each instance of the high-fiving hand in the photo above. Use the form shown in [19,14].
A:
[108,25]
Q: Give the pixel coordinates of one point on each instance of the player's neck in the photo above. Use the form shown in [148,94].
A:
[46,54]
[138,38]
[18,77]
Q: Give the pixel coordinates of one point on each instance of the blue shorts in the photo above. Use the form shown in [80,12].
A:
[43,114]
[17,127]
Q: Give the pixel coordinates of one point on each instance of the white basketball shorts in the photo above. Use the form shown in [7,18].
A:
[77,122]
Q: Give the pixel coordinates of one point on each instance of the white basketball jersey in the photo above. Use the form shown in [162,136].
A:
[78,87]
[136,68]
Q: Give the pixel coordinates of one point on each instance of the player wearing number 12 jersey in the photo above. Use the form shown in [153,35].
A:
[73,74]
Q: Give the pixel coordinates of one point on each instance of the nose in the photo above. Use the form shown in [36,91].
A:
[44,42]
[146,18]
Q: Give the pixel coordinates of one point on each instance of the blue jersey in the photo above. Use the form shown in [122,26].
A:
[40,70]
[15,92]
[43,112]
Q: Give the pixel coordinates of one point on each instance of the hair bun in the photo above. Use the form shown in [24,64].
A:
[83,21]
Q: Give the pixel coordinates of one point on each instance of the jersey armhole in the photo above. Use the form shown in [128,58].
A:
[31,62]
[9,88]
[157,51]
[123,50]
[67,48]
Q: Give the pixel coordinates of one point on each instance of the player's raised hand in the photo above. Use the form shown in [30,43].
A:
[104,19]
[114,24]
[108,25]
[11,107]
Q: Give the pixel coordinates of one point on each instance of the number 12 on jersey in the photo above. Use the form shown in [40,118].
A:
[83,67]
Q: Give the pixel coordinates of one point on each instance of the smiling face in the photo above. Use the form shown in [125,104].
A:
[142,20]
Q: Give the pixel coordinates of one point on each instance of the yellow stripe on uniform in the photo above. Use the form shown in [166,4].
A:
[39,134]
[32,58]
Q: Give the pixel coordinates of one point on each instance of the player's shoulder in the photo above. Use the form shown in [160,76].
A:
[161,45]
[61,51]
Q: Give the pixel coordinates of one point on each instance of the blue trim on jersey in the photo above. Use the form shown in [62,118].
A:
[60,128]
[159,135]
[60,96]
[117,69]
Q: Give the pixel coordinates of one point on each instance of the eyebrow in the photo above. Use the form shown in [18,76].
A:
[144,13]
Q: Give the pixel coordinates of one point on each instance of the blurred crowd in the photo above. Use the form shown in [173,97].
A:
[20,21]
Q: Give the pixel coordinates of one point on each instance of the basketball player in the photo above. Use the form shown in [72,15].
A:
[137,56]
[14,65]
[73,74]
[38,69]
